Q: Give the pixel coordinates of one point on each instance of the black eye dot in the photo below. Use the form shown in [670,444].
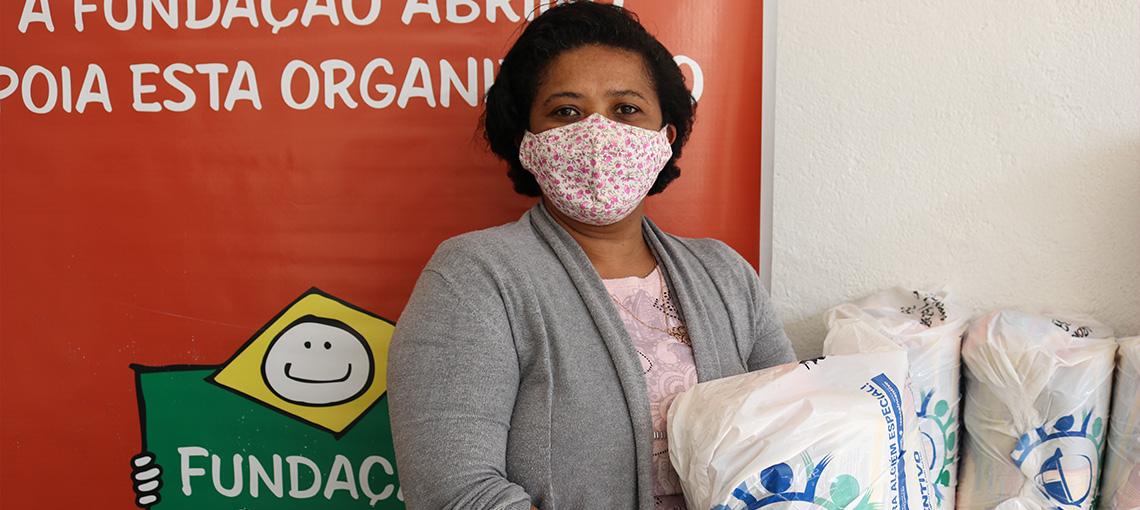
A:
[308,344]
[328,345]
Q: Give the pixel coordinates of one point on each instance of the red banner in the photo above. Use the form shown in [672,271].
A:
[175,173]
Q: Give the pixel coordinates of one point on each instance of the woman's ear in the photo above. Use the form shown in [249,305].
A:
[671,133]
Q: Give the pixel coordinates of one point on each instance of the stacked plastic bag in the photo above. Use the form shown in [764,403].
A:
[929,327]
[834,433]
[1121,483]
[1036,403]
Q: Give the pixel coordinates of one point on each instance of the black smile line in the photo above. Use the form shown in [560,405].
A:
[317,381]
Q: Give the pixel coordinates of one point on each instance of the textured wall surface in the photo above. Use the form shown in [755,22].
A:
[993,147]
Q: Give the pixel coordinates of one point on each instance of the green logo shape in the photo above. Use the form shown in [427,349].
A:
[222,451]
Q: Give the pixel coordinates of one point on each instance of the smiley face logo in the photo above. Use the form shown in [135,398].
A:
[321,360]
[318,361]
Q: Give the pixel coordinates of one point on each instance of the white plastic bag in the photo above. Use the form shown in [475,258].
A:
[930,327]
[1035,411]
[1121,482]
[833,433]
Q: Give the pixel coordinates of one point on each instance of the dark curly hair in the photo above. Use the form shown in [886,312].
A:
[506,114]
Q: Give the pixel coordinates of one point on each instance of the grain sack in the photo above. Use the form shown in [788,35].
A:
[834,433]
[930,327]
[1121,482]
[1035,411]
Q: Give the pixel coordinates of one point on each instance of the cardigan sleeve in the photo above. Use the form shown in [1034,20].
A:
[772,346]
[452,381]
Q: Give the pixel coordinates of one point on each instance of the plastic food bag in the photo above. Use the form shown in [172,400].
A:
[1121,483]
[833,433]
[930,327]
[1035,411]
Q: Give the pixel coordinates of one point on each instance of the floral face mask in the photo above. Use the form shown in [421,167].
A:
[595,170]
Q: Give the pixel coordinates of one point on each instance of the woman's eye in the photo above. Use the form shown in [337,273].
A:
[565,111]
[628,109]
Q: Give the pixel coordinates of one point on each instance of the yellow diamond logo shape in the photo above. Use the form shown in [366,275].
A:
[321,360]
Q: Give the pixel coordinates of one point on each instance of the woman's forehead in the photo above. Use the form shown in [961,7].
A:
[596,71]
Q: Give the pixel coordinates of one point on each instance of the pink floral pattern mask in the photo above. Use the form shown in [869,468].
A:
[596,170]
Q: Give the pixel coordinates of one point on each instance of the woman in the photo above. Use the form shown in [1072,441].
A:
[535,361]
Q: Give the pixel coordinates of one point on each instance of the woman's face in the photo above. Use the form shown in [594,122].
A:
[596,79]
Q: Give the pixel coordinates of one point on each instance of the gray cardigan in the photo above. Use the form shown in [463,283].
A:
[512,380]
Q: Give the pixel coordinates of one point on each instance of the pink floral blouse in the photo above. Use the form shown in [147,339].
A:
[666,361]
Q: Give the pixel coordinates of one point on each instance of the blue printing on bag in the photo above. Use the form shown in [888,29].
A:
[777,479]
[1051,479]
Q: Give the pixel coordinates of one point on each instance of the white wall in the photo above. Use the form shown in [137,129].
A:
[991,146]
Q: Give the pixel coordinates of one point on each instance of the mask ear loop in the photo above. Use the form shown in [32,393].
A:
[665,131]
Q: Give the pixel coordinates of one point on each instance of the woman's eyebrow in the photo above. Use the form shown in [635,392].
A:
[625,93]
[558,95]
